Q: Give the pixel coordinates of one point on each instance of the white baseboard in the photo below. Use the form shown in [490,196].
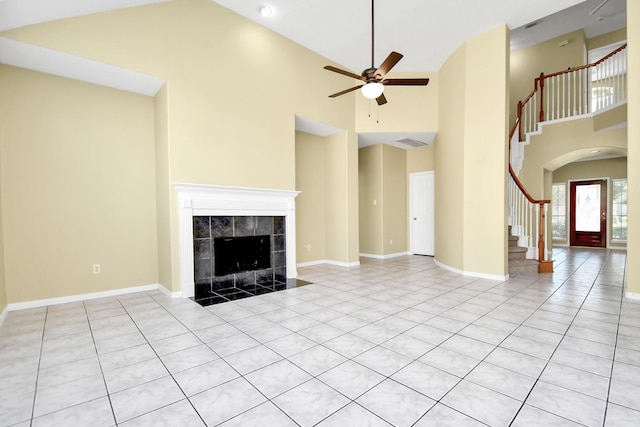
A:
[330,262]
[387,256]
[3,315]
[311,263]
[472,273]
[81,297]
[168,293]
[633,296]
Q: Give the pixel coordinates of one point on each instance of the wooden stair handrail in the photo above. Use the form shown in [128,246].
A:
[524,191]
[582,67]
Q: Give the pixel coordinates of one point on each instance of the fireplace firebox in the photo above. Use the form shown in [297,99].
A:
[240,254]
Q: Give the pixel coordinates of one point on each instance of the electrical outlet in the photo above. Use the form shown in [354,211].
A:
[307,247]
[391,241]
[96,268]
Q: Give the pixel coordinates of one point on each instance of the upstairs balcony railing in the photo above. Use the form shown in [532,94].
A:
[566,94]
[576,91]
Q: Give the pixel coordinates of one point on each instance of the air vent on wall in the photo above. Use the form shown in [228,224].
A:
[411,142]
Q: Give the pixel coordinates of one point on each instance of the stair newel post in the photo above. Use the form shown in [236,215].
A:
[541,232]
[541,78]
[545,266]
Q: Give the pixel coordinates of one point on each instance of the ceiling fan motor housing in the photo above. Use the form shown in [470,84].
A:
[370,73]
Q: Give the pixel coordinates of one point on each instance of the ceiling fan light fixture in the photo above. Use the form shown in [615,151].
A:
[372,90]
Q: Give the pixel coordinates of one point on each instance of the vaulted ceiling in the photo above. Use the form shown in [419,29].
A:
[427,32]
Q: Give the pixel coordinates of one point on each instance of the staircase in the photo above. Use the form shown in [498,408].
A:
[572,93]
[518,264]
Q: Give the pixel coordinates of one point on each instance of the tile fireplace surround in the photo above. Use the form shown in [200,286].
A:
[212,288]
[195,200]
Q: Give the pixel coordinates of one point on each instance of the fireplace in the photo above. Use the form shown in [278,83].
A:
[238,256]
[245,210]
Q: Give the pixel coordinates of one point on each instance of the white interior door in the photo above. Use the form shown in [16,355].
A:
[421,189]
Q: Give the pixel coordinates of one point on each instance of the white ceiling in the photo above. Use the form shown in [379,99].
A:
[425,31]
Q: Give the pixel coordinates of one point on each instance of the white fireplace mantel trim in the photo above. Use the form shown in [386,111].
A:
[214,200]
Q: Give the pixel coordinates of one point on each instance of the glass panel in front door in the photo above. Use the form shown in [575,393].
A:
[588,207]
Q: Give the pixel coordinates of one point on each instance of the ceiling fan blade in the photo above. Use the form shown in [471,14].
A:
[381,100]
[345,91]
[388,64]
[343,72]
[405,82]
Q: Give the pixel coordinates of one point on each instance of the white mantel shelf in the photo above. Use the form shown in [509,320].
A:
[215,200]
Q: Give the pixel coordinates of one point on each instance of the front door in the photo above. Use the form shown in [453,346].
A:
[588,210]
[421,190]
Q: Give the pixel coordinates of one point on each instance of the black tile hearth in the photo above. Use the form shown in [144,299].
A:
[220,295]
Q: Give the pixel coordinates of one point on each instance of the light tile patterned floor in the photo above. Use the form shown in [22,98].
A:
[397,342]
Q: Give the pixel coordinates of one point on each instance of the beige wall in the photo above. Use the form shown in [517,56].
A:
[485,153]
[341,216]
[633,157]
[409,109]
[394,197]
[608,168]
[421,159]
[471,156]
[3,286]
[607,39]
[449,161]
[547,57]
[311,180]
[383,200]
[78,187]
[168,270]
[324,210]
[370,198]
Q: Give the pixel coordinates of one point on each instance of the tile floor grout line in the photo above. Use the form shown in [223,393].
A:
[615,348]
[35,391]
[104,380]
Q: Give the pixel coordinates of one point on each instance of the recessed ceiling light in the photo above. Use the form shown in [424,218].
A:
[265,10]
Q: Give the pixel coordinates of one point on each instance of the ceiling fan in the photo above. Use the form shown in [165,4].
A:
[374,78]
